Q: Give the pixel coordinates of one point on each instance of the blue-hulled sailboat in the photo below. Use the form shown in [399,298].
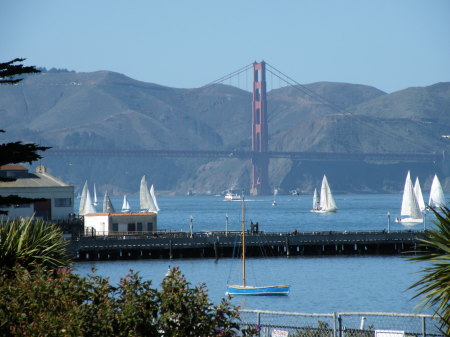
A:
[245,289]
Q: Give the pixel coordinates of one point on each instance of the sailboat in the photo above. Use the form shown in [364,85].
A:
[437,198]
[326,203]
[83,199]
[86,205]
[125,205]
[245,289]
[147,198]
[316,201]
[410,206]
[275,192]
[107,204]
[419,195]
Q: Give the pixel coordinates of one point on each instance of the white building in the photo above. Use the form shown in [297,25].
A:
[108,223]
[56,197]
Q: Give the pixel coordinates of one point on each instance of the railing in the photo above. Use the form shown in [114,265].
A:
[341,324]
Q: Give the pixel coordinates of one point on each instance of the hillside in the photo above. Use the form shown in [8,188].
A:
[106,110]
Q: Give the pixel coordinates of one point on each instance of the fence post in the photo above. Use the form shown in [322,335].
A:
[424,330]
[334,324]
[340,324]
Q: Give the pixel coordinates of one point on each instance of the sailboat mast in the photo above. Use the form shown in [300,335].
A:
[243,241]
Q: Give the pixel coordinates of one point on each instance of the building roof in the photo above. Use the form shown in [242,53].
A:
[41,178]
[12,168]
[121,214]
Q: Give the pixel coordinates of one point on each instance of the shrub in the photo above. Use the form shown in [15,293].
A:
[29,243]
[61,303]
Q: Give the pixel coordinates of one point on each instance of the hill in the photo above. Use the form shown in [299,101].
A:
[107,110]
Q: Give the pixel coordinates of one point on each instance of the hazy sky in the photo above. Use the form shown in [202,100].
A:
[388,44]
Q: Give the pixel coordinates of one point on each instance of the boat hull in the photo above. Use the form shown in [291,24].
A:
[258,291]
[323,211]
[408,221]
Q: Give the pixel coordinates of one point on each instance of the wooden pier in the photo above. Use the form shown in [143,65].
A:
[177,245]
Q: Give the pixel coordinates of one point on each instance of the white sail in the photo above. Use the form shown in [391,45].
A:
[410,207]
[419,195]
[83,199]
[327,203]
[153,204]
[275,192]
[88,206]
[95,197]
[437,198]
[316,205]
[144,195]
[107,204]
[125,205]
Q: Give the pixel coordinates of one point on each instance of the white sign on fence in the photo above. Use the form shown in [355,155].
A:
[280,333]
[389,333]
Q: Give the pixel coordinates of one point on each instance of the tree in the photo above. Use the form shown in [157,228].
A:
[16,152]
[9,71]
[61,303]
[434,284]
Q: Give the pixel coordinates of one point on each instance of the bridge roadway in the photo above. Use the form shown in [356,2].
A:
[310,156]
[174,245]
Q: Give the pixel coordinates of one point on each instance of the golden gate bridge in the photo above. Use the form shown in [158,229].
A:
[259,153]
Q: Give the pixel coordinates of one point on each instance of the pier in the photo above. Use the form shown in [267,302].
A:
[178,245]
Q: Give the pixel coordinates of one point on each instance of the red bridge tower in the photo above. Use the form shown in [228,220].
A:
[260,160]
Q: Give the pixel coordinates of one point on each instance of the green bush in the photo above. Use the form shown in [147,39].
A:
[61,303]
[29,243]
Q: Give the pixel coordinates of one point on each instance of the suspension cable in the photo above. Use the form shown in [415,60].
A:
[290,81]
[230,75]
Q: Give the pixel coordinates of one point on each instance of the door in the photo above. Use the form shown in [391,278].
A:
[43,209]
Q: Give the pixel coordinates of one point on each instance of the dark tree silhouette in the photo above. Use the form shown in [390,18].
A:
[16,152]
[10,72]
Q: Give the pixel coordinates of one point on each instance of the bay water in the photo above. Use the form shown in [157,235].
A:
[318,284]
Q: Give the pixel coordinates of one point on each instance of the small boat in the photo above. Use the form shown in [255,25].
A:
[147,198]
[232,197]
[125,205]
[437,198]
[107,204]
[86,205]
[275,192]
[326,203]
[244,289]
[410,206]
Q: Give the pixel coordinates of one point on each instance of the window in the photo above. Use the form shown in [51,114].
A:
[63,202]
[139,226]
[115,227]
[149,226]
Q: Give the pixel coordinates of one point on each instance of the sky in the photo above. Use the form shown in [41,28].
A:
[388,44]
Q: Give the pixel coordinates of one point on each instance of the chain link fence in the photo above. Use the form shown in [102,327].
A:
[341,324]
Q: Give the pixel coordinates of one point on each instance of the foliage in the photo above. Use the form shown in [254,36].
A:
[16,152]
[61,303]
[30,243]
[10,70]
[434,285]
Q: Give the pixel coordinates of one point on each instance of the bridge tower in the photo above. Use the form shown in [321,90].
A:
[260,160]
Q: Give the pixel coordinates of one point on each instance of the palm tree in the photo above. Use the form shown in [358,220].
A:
[434,286]
[31,243]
